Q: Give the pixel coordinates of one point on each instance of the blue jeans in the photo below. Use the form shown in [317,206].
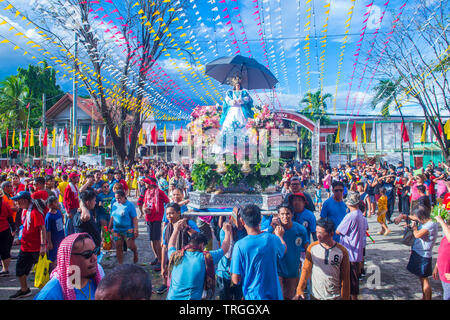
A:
[69,228]
[446,288]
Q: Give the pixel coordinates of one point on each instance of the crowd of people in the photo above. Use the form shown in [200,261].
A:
[67,212]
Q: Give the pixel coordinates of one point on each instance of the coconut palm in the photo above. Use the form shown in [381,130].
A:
[316,105]
[14,95]
[386,93]
[314,108]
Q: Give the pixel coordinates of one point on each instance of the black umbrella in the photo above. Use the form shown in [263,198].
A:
[253,74]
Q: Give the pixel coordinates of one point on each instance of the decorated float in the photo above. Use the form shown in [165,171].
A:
[236,159]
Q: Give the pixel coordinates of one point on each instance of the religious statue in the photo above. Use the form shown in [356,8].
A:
[237,109]
[237,106]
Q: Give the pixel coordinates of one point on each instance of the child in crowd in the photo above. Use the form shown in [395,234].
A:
[382,210]
[55,229]
[318,197]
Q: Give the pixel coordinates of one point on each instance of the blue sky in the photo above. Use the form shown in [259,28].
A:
[284,37]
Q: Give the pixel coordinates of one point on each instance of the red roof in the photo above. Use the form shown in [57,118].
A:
[87,105]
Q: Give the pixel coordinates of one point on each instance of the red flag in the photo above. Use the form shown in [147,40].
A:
[354,136]
[441,132]
[180,136]
[154,136]
[129,136]
[88,137]
[405,135]
[7,134]
[27,139]
[66,136]
[45,142]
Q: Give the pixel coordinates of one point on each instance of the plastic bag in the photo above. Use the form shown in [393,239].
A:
[42,274]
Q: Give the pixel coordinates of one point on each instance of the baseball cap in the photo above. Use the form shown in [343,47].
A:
[298,194]
[73,175]
[22,195]
[148,181]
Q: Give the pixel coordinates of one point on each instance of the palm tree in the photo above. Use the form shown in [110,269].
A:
[316,106]
[14,95]
[315,109]
[386,93]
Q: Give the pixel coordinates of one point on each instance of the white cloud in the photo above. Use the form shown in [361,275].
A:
[182,65]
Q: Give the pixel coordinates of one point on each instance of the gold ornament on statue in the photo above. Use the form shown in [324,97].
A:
[221,168]
[246,168]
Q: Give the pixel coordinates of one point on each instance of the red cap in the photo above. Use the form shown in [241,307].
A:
[73,175]
[299,194]
[148,181]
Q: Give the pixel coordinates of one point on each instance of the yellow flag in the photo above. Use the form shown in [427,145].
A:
[424,132]
[447,129]
[97,138]
[54,138]
[364,132]
[31,138]
[14,138]
[75,137]
[117,130]
[165,135]
[338,138]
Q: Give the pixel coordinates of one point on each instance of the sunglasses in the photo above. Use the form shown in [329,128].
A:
[338,190]
[88,254]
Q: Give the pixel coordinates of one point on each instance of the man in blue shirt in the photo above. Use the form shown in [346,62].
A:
[254,259]
[334,207]
[296,239]
[297,203]
[190,266]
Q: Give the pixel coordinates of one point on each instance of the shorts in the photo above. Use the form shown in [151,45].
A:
[154,230]
[420,266]
[381,218]
[354,277]
[25,262]
[6,241]
[126,235]
[372,198]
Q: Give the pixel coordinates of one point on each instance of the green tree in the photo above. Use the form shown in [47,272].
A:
[316,106]
[40,79]
[386,93]
[313,106]
[14,96]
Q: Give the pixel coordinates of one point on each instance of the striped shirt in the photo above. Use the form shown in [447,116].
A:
[329,270]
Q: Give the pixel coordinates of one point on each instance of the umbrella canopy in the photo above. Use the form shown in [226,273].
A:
[253,74]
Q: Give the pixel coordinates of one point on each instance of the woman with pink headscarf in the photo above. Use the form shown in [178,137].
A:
[77,273]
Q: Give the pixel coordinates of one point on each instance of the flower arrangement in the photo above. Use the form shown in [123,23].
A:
[263,119]
[206,117]
[203,119]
